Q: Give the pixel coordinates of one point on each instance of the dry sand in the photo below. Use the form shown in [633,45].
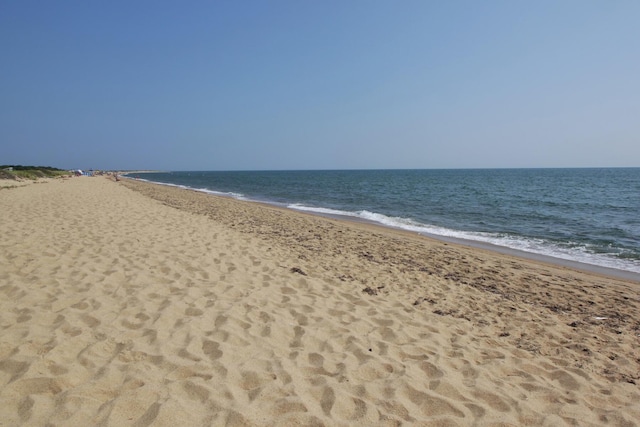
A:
[118,309]
[13,183]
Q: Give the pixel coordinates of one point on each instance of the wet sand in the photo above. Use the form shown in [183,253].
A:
[128,303]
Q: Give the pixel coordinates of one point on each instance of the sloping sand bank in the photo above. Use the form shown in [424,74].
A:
[119,309]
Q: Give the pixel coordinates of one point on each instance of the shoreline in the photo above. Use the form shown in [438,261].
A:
[131,303]
[547,259]
[532,256]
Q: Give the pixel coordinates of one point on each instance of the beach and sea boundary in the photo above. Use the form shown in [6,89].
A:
[587,217]
[130,303]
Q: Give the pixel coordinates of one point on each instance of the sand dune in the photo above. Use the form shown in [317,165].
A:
[133,304]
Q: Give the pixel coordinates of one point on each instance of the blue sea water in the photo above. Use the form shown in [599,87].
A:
[585,215]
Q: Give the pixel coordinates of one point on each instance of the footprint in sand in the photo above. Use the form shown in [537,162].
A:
[566,380]
[90,321]
[327,400]
[41,385]
[149,416]
[82,305]
[14,368]
[297,339]
[192,311]
[24,408]
[211,349]
[493,400]
[220,320]
[431,371]
[24,315]
[196,392]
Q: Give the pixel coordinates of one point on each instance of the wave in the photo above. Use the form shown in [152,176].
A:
[238,196]
[576,252]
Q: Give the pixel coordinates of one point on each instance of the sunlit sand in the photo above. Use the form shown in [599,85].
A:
[128,303]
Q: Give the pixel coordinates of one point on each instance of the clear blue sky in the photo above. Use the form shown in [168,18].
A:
[227,85]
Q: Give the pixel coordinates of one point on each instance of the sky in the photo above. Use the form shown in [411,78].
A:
[322,84]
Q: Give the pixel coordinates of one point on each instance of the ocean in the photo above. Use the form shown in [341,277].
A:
[590,216]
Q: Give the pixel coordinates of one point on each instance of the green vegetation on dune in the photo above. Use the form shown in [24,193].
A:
[29,172]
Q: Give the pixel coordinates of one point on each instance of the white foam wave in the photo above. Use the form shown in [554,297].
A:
[530,245]
[238,196]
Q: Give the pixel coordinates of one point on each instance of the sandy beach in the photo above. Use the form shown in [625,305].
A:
[132,304]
